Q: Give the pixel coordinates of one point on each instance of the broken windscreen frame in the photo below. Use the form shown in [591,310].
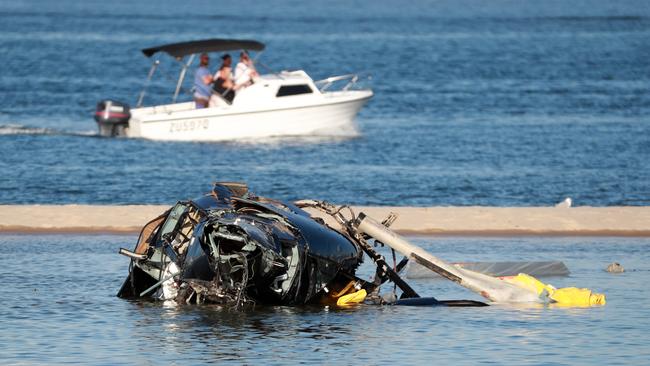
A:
[148,233]
[171,222]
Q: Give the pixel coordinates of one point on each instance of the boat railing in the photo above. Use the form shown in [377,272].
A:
[153,68]
[179,82]
[325,84]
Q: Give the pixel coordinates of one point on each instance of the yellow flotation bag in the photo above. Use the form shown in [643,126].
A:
[580,297]
[352,299]
[530,283]
[567,296]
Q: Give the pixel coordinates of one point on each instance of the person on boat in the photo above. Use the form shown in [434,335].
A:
[202,81]
[223,82]
[245,71]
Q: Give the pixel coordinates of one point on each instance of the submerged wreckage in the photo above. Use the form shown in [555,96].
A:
[234,248]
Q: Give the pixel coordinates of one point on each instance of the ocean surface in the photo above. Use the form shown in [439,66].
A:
[59,306]
[501,102]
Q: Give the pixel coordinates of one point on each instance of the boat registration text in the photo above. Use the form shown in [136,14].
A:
[189,125]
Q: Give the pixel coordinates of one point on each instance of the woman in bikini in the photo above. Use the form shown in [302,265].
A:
[223,84]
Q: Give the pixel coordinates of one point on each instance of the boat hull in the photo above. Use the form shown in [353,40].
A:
[330,117]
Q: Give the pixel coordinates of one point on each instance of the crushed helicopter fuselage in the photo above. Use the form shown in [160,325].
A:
[233,248]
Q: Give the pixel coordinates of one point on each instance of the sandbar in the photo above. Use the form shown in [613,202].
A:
[466,220]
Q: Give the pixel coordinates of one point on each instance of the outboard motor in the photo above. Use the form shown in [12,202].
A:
[112,118]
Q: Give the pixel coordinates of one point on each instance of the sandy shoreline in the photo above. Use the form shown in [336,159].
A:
[580,221]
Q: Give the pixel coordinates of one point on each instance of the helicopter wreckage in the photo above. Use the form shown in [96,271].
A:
[233,248]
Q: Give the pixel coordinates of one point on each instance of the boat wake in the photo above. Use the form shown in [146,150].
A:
[16,129]
[324,136]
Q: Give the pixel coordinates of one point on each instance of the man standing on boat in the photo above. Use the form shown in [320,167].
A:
[202,81]
[244,71]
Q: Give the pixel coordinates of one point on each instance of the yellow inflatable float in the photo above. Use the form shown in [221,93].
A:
[567,296]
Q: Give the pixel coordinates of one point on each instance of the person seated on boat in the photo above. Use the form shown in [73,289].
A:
[202,81]
[223,84]
[245,72]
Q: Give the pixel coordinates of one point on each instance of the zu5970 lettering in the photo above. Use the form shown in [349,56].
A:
[191,125]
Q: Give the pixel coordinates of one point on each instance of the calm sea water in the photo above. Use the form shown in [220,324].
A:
[59,306]
[477,102]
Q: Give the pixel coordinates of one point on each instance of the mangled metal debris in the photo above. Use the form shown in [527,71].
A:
[233,248]
[230,247]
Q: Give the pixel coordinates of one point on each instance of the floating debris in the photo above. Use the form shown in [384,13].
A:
[233,248]
[615,267]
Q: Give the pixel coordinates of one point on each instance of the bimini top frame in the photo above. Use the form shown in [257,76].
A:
[179,50]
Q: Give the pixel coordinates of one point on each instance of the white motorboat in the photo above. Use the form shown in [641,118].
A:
[276,104]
